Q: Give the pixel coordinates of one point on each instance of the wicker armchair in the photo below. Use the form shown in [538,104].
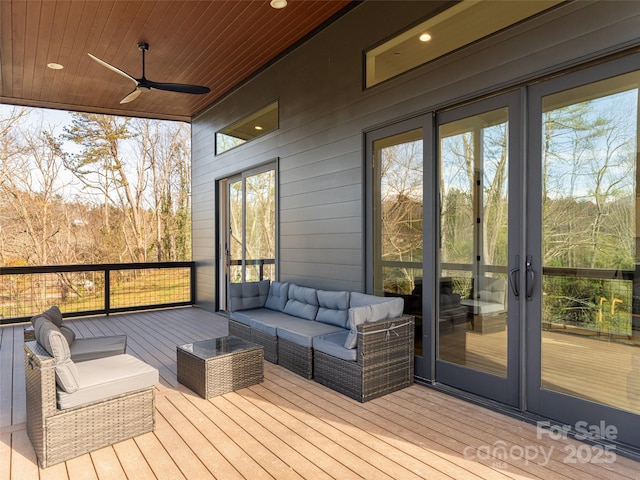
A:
[384,361]
[59,435]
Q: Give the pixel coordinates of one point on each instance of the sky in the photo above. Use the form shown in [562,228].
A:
[54,120]
[51,116]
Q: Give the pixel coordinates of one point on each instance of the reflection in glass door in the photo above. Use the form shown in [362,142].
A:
[398,210]
[477,330]
[589,343]
[251,226]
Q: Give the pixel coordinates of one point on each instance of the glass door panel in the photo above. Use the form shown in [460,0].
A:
[590,283]
[235,230]
[474,238]
[260,226]
[398,212]
[478,325]
[251,237]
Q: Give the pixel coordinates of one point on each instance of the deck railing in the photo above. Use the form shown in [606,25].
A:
[94,289]
[254,269]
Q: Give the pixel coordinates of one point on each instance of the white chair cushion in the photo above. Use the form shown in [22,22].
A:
[107,377]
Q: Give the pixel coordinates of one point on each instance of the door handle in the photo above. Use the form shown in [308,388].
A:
[531,278]
[513,281]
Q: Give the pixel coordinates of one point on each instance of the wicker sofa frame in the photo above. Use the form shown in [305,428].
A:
[296,358]
[270,343]
[59,435]
[384,361]
[293,357]
[384,358]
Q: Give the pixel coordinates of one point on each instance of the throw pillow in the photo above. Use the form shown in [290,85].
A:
[54,315]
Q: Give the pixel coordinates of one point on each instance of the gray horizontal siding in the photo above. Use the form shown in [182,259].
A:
[350,241]
[324,112]
[344,209]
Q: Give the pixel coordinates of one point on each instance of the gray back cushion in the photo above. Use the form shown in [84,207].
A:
[247,295]
[333,308]
[389,307]
[54,315]
[69,334]
[38,322]
[492,290]
[302,302]
[278,296]
[358,299]
[57,346]
[357,316]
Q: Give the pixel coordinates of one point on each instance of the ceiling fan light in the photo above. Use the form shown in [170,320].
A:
[278,4]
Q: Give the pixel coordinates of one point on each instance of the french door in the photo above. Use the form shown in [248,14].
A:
[583,332]
[248,220]
[479,203]
[511,228]
[396,223]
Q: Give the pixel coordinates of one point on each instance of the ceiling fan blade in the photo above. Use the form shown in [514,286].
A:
[114,69]
[132,96]
[177,87]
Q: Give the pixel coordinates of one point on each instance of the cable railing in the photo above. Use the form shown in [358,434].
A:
[96,289]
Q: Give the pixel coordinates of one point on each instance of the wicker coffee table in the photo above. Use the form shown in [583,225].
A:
[219,365]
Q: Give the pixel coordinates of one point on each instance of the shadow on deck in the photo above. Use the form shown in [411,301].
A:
[286,427]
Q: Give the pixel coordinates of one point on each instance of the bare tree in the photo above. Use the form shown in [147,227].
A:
[165,148]
[102,167]
[32,192]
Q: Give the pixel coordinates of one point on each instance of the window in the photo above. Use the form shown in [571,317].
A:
[250,127]
[460,25]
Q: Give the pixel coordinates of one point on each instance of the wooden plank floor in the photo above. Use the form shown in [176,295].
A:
[286,427]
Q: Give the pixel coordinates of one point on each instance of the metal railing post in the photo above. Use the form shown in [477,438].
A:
[107,290]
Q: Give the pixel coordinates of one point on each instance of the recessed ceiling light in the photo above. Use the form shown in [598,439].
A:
[258,127]
[55,66]
[425,37]
[278,4]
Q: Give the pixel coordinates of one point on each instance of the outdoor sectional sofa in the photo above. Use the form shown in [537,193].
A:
[79,404]
[360,345]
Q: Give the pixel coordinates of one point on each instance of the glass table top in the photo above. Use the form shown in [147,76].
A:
[216,347]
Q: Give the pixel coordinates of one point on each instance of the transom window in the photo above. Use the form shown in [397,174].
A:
[460,25]
[248,128]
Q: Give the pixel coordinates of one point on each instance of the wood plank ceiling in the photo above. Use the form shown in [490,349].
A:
[219,44]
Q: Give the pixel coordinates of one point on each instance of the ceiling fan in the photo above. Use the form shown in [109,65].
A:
[144,84]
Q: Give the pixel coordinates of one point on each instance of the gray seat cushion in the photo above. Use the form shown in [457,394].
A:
[243,317]
[83,349]
[478,307]
[107,377]
[302,333]
[248,316]
[269,325]
[333,344]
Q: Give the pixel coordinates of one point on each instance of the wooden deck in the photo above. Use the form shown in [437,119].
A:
[286,427]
